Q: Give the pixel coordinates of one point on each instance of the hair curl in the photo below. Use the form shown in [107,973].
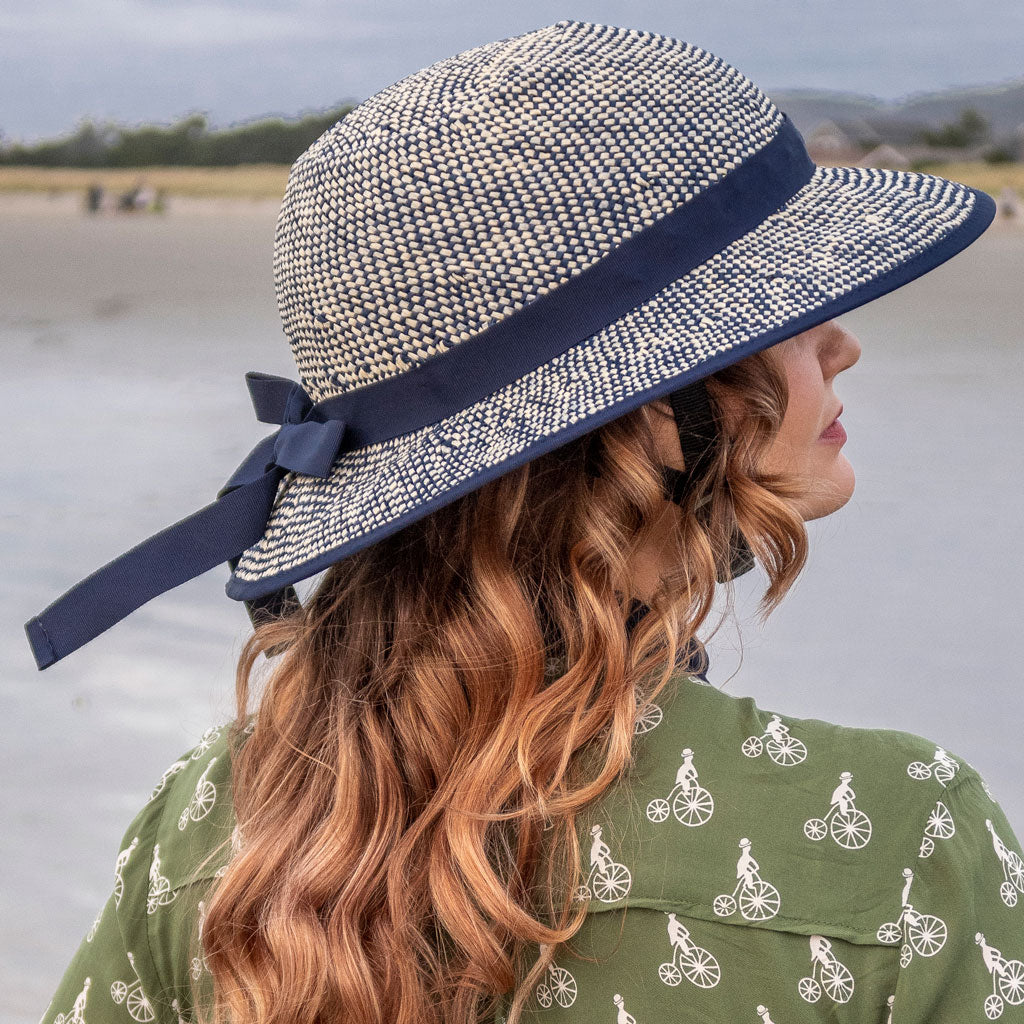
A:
[420,737]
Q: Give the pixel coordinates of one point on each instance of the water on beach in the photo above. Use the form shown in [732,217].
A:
[125,341]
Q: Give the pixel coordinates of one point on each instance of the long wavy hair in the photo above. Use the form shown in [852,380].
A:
[409,764]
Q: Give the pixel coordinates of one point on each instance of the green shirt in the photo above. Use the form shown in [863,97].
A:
[748,867]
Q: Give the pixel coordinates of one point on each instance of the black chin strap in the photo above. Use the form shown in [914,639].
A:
[698,435]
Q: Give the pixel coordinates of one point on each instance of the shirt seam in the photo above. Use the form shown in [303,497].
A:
[818,927]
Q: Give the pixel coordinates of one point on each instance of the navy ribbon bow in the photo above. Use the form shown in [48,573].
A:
[310,438]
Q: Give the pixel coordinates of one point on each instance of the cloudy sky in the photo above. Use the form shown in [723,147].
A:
[156,60]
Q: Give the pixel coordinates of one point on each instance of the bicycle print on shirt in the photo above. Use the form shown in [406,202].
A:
[924,934]
[782,748]
[849,827]
[689,960]
[558,986]
[690,802]
[1013,868]
[940,826]
[139,1007]
[943,766]
[756,899]
[827,974]
[1007,979]
[77,1014]
[607,879]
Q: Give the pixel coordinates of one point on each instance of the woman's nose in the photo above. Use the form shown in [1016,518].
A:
[850,349]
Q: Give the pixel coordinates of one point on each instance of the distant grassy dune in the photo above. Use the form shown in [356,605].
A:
[248,181]
[990,178]
[268,181]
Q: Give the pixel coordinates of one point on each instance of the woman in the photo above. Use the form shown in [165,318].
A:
[564,306]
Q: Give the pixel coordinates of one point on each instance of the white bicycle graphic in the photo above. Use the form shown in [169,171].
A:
[782,748]
[649,716]
[940,826]
[757,899]
[160,891]
[690,802]
[133,997]
[170,773]
[689,961]
[850,828]
[827,974]
[607,879]
[1012,865]
[943,767]
[558,987]
[77,1014]
[122,859]
[206,741]
[925,934]
[202,800]
[1007,979]
[198,964]
[608,882]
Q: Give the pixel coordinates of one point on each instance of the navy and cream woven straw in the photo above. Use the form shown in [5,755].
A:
[501,252]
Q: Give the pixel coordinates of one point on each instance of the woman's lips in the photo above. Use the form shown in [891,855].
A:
[834,432]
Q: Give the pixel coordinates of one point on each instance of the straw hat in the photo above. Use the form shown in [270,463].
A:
[501,252]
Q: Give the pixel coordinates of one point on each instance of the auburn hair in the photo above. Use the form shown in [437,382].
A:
[410,762]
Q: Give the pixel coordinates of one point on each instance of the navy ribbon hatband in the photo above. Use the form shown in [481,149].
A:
[312,435]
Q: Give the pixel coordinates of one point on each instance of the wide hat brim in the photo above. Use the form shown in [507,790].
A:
[849,235]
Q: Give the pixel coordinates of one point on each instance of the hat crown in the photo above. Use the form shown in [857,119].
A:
[451,199]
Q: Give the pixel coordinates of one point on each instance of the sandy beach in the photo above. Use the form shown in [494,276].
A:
[125,340]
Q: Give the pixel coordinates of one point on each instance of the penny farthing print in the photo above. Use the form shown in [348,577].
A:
[1007,979]
[122,860]
[607,879]
[940,826]
[849,827]
[690,803]
[1012,867]
[942,766]
[827,976]
[77,1014]
[559,987]
[160,891]
[689,961]
[178,766]
[755,898]
[208,739]
[202,801]
[782,747]
[649,717]
[138,1006]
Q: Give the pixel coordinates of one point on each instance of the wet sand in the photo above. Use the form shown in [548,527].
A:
[125,341]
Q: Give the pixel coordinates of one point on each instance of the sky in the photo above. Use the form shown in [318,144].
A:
[134,61]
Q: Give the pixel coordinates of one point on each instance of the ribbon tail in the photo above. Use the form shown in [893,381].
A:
[215,533]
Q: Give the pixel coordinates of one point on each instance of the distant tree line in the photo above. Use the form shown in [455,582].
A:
[189,142]
[970,131]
